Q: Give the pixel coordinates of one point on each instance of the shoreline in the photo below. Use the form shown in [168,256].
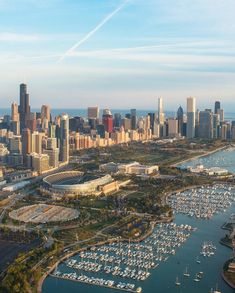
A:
[227,281]
[208,153]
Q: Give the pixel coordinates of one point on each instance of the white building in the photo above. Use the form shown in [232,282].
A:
[129,168]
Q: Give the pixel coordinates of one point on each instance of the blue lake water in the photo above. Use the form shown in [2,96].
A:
[223,159]
[83,112]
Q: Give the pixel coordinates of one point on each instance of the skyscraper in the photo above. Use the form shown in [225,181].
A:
[46,112]
[133,119]
[24,108]
[191,109]
[161,116]
[205,129]
[152,120]
[93,112]
[64,138]
[221,114]
[26,142]
[107,120]
[117,120]
[217,107]
[180,118]
[14,112]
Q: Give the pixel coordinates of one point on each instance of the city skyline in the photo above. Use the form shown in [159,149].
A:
[182,50]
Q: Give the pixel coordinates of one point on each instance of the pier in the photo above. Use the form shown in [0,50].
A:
[97,282]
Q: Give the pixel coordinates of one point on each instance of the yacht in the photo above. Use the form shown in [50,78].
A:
[177,282]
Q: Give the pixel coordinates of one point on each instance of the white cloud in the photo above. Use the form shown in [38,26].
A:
[15,37]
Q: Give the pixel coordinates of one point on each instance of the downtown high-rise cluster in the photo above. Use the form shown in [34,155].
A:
[38,141]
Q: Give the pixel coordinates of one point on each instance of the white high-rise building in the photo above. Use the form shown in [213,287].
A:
[161,115]
[191,114]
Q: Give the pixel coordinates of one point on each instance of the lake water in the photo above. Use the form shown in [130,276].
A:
[83,112]
[223,159]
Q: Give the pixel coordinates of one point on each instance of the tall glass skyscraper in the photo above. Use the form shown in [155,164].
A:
[191,109]
[161,116]
[217,107]
[24,108]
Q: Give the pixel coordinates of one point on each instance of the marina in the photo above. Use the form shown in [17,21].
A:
[129,261]
[97,282]
[185,264]
[203,202]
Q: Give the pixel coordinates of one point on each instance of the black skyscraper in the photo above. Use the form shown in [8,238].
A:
[217,107]
[24,108]
[180,117]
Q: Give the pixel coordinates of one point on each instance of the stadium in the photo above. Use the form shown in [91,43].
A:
[75,183]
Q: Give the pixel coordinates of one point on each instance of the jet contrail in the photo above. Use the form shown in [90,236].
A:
[91,33]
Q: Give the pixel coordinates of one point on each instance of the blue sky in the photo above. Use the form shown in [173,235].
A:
[146,49]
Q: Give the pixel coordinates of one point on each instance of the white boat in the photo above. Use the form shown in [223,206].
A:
[186,273]
[177,282]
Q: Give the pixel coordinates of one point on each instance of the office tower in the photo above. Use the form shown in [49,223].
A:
[173,127]
[46,112]
[45,116]
[40,162]
[147,123]
[180,118]
[37,142]
[100,130]
[133,119]
[93,113]
[126,123]
[191,108]
[221,114]
[26,142]
[6,121]
[108,122]
[224,132]
[52,131]
[14,112]
[76,124]
[117,120]
[216,125]
[93,122]
[233,130]
[15,127]
[15,144]
[53,155]
[217,107]
[24,108]
[64,138]
[152,118]
[51,143]
[161,116]
[156,130]
[31,121]
[205,129]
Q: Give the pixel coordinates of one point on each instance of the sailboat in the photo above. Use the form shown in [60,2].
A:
[186,273]
[196,279]
[177,282]
[198,260]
